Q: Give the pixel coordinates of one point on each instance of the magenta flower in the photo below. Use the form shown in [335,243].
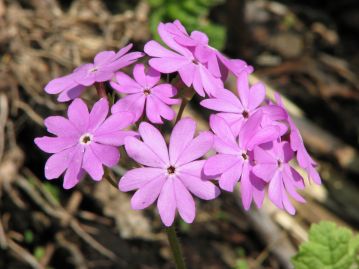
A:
[234,160]
[169,175]
[106,63]
[272,165]
[83,142]
[145,92]
[234,110]
[66,87]
[182,60]
[297,144]
[197,42]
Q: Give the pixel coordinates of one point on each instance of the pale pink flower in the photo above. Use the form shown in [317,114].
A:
[84,142]
[272,165]
[144,92]
[297,144]
[105,64]
[197,42]
[169,175]
[234,160]
[182,60]
[236,110]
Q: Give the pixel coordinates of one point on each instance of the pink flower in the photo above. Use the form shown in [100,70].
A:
[83,142]
[197,42]
[144,92]
[272,165]
[66,87]
[234,110]
[182,60]
[106,63]
[297,144]
[170,175]
[234,160]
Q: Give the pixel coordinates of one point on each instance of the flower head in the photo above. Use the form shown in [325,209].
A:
[297,145]
[144,91]
[234,160]
[171,175]
[181,59]
[197,42]
[105,64]
[272,165]
[237,110]
[84,142]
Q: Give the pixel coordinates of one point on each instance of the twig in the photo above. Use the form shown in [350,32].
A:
[23,254]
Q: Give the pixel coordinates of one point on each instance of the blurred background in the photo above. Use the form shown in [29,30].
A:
[307,50]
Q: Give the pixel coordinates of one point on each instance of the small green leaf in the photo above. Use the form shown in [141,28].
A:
[241,264]
[329,247]
[53,190]
[39,253]
[28,236]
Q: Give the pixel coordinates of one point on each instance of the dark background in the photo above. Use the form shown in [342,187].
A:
[306,50]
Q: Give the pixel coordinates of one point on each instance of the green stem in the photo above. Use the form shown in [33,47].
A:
[181,109]
[175,247]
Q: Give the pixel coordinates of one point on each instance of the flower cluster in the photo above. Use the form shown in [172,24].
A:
[252,141]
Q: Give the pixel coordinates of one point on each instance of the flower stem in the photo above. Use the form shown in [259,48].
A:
[175,247]
[101,90]
[181,109]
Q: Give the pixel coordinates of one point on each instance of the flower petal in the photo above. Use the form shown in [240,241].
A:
[113,124]
[187,73]
[142,153]
[201,188]
[230,177]
[182,135]
[125,84]
[196,148]
[256,96]
[74,173]
[184,200]
[147,194]
[166,203]
[275,190]
[92,165]
[58,162]
[246,187]
[266,134]
[140,75]
[116,138]
[249,129]
[154,140]
[55,144]
[243,88]
[104,57]
[168,65]
[219,163]
[138,177]
[220,127]
[220,105]
[98,114]
[71,93]
[152,111]
[61,126]
[78,114]
[194,168]
[133,103]
[155,49]
[107,155]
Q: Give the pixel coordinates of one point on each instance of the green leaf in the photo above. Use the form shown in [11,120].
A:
[28,236]
[39,253]
[329,247]
[241,264]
